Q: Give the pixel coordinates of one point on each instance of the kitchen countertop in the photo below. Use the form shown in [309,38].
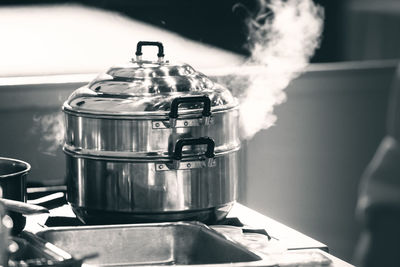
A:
[283,235]
[290,238]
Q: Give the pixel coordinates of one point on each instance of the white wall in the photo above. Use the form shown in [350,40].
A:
[305,170]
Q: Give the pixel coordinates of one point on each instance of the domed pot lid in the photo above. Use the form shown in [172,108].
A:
[149,88]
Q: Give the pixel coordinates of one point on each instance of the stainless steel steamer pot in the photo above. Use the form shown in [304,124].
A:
[151,141]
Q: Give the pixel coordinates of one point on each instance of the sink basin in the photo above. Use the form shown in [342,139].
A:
[181,243]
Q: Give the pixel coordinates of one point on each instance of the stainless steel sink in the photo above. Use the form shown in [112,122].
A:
[181,243]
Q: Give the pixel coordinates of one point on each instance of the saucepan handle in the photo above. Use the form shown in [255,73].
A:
[22,207]
[140,44]
[206,113]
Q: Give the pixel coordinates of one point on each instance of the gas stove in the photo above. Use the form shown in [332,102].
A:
[231,241]
[61,213]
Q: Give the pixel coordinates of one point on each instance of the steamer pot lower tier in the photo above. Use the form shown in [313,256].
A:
[122,191]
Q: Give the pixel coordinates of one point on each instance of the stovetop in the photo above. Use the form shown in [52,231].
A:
[255,239]
[61,214]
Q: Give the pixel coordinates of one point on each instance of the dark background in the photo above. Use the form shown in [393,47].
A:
[353,29]
[214,22]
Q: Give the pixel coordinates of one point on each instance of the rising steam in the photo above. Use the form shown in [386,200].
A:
[283,36]
[51,130]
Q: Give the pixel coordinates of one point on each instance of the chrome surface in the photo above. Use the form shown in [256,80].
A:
[43,248]
[31,250]
[182,123]
[146,77]
[139,136]
[149,244]
[125,126]
[137,187]
[87,101]
[186,165]
[146,88]
[137,157]
[100,217]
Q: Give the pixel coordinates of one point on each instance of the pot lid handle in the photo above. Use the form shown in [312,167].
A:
[140,44]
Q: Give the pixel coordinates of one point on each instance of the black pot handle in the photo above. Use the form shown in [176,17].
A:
[206,113]
[140,44]
[209,154]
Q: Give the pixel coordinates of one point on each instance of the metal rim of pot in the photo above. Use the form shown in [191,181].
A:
[26,165]
[13,186]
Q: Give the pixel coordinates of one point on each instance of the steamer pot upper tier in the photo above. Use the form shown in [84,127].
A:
[140,109]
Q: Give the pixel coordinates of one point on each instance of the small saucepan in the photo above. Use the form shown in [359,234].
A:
[13,175]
